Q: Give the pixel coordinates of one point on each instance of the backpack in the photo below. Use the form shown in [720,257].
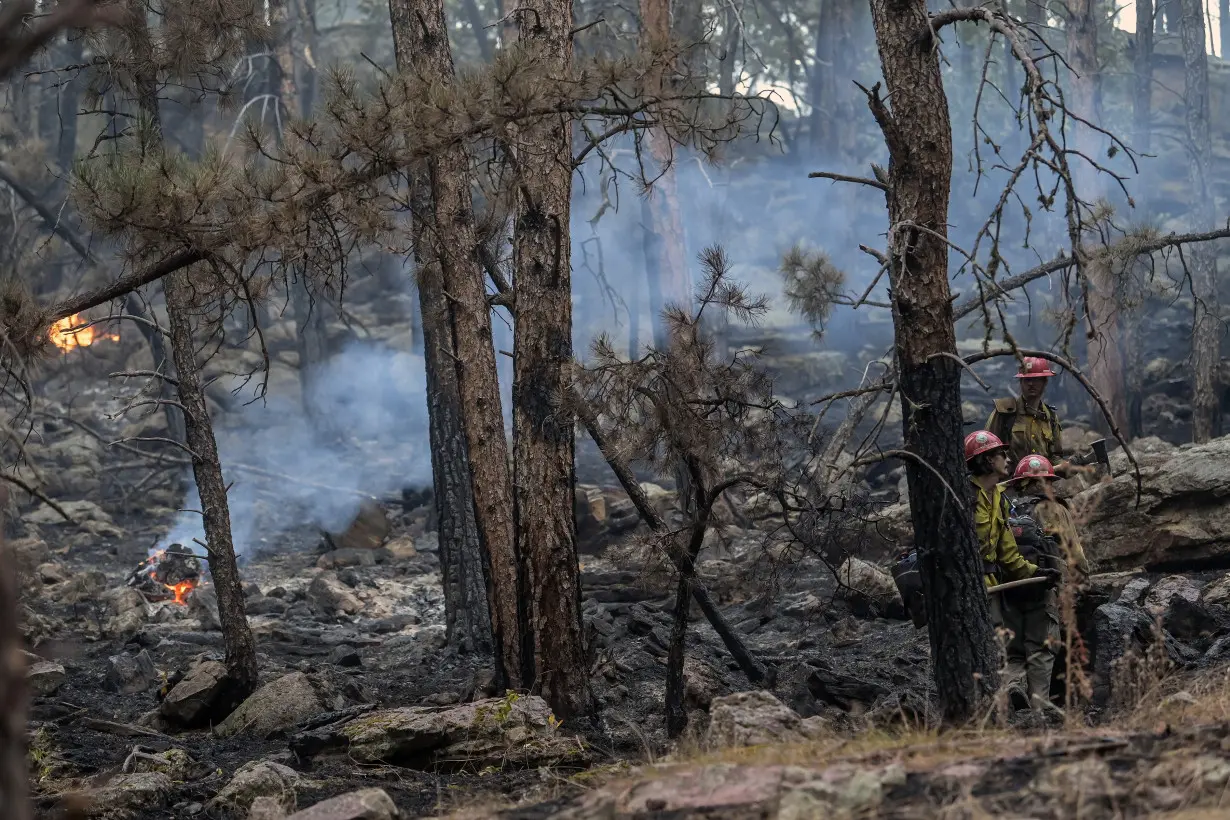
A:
[908,579]
[1032,541]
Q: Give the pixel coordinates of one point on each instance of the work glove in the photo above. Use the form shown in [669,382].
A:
[1052,576]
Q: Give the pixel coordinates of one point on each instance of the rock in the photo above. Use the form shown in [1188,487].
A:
[347,558]
[84,586]
[862,578]
[401,548]
[126,625]
[330,595]
[203,605]
[1133,593]
[44,678]
[754,718]
[266,808]
[1117,629]
[129,795]
[28,554]
[52,573]
[174,763]
[123,599]
[1217,593]
[129,674]
[737,792]
[368,530]
[193,700]
[343,655]
[701,684]
[258,778]
[1184,514]
[276,706]
[1164,591]
[514,730]
[80,511]
[365,804]
[266,606]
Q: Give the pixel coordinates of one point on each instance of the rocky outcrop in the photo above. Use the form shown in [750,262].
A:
[1183,519]
[513,730]
[756,718]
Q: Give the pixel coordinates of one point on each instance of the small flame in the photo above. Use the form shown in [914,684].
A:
[181,590]
[75,332]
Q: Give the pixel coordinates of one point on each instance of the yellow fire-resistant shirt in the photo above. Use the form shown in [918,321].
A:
[1026,433]
[1001,559]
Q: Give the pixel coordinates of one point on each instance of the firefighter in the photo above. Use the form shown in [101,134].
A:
[987,459]
[1031,613]
[1028,425]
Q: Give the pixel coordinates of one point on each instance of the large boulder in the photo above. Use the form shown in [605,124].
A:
[865,583]
[365,804]
[756,718]
[194,700]
[255,779]
[1184,512]
[513,730]
[274,707]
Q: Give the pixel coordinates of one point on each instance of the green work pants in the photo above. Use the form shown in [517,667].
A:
[1033,617]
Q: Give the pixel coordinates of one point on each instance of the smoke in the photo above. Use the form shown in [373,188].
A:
[283,473]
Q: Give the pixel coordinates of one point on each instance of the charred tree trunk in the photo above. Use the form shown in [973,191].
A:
[1104,351]
[453,296]
[823,81]
[474,17]
[311,309]
[666,257]
[1142,136]
[14,694]
[70,98]
[163,365]
[730,45]
[307,83]
[199,433]
[553,656]
[1206,329]
[1142,100]
[1223,11]
[919,138]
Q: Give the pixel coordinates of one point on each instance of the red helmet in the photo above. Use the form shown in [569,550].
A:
[1034,368]
[981,441]
[1034,466]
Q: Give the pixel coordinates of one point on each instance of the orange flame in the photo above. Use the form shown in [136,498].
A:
[181,590]
[75,332]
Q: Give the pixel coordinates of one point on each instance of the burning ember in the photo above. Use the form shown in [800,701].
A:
[175,570]
[75,332]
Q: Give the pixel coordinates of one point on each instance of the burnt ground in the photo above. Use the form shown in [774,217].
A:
[830,657]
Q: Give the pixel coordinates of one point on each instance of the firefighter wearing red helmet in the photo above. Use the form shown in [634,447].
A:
[1024,422]
[1046,534]
[987,459]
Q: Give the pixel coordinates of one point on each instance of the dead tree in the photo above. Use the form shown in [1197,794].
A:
[1105,354]
[465,395]
[665,256]
[919,139]
[182,304]
[14,770]
[553,656]
[1206,323]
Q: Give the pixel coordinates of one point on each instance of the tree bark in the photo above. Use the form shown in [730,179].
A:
[70,97]
[1105,354]
[1206,329]
[919,138]
[1142,100]
[14,694]
[452,293]
[553,655]
[666,258]
[206,466]
[157,342]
